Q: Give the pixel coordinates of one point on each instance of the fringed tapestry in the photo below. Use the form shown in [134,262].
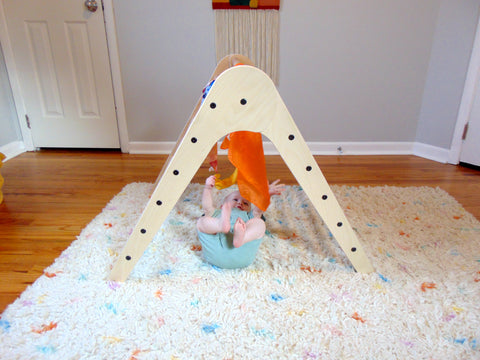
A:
[255,34]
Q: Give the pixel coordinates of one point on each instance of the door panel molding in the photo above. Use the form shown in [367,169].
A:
[83,71]
[40,49]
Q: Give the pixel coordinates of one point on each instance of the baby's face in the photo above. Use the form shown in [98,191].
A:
[239,202]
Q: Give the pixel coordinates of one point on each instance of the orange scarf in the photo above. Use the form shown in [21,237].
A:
[245,152]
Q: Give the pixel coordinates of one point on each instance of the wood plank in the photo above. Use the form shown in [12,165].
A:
[51,195]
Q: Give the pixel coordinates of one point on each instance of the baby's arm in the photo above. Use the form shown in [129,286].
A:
[207,197]
[257,213]
[208,224]
[273,189]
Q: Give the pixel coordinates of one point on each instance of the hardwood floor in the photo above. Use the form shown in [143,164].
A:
[51,195]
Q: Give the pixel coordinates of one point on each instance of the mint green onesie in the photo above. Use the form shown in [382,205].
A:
[218,248]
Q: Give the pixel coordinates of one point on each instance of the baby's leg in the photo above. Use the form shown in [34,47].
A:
[211,225]
[245,232]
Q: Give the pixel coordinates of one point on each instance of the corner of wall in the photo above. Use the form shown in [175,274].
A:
[431,152]
[12,149]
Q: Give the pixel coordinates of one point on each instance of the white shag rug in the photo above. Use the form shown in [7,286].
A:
[300,299]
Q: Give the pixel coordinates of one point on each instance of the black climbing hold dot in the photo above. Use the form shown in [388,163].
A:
[176,172]
[159,202]
[291,137]
[309,168]
[128,257]
[213,105]
[143,231]
[354,249]
[194,140]
[339,224]
[243,101]
[324,197]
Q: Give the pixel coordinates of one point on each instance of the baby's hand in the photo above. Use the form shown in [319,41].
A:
[275,188]
[210,182]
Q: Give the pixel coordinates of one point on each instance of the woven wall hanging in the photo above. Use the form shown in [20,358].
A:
[250,28]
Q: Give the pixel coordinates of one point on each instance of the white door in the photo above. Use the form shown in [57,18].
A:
[470,153]
[61,58]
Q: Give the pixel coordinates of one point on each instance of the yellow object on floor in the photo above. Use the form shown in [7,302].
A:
[1,178]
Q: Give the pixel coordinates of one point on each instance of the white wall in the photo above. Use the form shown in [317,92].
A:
[167,53]
[355,70]
[451,50]
[371,70]
[349,70]
[9,129]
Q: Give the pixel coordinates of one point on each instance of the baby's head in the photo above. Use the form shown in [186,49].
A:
[238,200]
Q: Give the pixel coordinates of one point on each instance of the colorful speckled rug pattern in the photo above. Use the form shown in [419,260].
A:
[300,299]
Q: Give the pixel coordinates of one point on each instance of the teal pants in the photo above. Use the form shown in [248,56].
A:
[218,248]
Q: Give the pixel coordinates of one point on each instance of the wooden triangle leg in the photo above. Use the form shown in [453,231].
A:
[176,175]
[296,154]
[242,98]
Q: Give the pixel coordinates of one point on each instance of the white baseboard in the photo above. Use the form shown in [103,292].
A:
[431,152]
[151,147]
[13,149]
[426,151]
[360,148]
[323,148]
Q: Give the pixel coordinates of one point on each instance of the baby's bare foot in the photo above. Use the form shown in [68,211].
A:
[239,233]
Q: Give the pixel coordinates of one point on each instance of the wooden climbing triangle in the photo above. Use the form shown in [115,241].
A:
[242,98]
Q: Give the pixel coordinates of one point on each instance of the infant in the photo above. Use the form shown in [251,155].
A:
[231,236]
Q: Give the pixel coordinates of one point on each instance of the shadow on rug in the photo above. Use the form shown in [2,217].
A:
[300,299]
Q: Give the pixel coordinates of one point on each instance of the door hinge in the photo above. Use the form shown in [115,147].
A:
[27,119]
[465,131]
